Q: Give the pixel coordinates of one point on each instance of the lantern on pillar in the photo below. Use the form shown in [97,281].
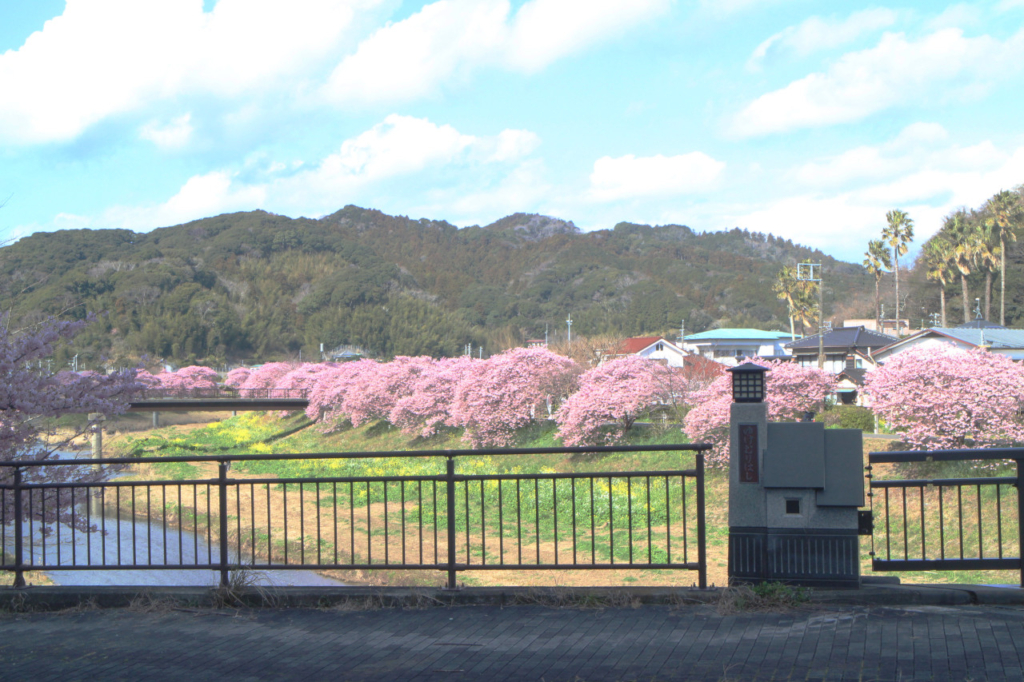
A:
[748,383]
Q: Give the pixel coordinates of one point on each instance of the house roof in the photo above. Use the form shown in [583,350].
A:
[855,375]
[845,338]
[995,337]
[737,335]
[637,344]
[979,324]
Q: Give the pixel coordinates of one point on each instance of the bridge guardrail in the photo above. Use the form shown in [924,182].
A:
[444,521]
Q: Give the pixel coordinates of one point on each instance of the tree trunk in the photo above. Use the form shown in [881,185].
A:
[967,299]
[792,328]
[988,294]
[897,261]
[878,303]
[942,303]
[1002,281]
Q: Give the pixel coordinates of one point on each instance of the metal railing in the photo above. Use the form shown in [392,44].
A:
[439,520]
[224,392]
[947,524]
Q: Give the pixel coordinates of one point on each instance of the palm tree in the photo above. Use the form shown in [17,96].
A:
[787,289]
[898,232]
[878,262]
[965,239]
[1006,209]
[938,254]
[988,259]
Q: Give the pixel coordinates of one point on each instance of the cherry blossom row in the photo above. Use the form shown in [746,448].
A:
[936,398]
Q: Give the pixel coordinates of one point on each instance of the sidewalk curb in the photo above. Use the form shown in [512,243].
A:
[55,598]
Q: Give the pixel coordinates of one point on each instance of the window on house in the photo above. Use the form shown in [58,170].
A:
[659,347]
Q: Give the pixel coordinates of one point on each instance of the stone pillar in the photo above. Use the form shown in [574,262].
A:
[156,420]
[748,513]
[96,508]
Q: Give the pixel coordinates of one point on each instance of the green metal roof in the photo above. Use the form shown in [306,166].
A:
[738,335]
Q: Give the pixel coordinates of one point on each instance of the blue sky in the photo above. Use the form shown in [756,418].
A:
[808,120]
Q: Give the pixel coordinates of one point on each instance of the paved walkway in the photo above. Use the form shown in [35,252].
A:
[517,643]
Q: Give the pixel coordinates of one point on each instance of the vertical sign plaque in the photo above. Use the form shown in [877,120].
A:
[748,453]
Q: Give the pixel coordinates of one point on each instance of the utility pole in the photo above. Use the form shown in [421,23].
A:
[568,321]
[545,334]
[811,272]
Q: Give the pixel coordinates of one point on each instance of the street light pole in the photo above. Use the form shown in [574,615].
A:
[811,272]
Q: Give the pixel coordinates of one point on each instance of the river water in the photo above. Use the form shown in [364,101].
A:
[130,542]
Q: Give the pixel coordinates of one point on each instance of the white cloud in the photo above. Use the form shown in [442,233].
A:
[172,135]
[956,16]
[400,147]
[547,30]
[919,133]
[897,72]
[521,190]
[815,34]
[200,197]
[845,198]
[919,150]
[450,39]
[105,57]
[510,144]
[1006,5]
[628,177]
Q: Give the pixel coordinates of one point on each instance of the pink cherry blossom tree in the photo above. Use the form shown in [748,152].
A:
[941,398]
[190,381]
[429,405]
[610,397]
[375,391]
[29,395]
[304,376]
[504,393]
[237,377]
[330,390]
[790,391]
[265,377]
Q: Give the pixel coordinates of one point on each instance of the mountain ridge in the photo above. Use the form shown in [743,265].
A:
[258,286]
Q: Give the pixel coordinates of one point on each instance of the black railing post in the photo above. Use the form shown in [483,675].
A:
[19,569]
[222,480]
[450,483]
[702,557]
[1020,519]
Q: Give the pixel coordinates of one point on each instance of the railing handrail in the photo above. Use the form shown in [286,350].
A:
[965,454]
[488,452]
[21,492]
[225,392]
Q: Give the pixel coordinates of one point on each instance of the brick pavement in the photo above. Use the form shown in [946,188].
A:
[517,643]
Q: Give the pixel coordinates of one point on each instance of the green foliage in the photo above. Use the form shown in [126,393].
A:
[847,417]
[258,287]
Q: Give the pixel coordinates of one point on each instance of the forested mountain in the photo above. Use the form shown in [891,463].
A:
[257,286]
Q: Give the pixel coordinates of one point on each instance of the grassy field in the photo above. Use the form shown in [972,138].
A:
[258,433]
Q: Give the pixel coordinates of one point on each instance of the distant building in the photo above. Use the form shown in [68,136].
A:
[888,326]
[536,343]
[974,334]
[730,346]
[845,348]
[345,353]
[652,348]
[850,387]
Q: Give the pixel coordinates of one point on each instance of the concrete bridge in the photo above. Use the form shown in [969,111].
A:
[218,400]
